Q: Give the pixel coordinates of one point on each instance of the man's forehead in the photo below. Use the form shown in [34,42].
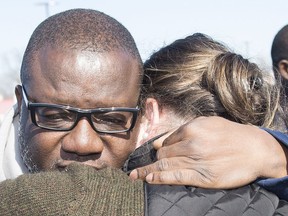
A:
[54,63]
[95,76]
[82,57]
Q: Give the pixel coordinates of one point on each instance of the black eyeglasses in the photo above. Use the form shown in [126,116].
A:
[64,118]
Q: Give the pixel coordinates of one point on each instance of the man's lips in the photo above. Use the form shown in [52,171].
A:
[98,164]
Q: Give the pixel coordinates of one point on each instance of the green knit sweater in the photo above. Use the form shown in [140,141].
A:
[80,190]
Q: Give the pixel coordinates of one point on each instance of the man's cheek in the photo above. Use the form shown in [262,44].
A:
[122,152]
[43,154]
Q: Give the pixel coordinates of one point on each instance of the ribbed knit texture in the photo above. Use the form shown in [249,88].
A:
[81,190]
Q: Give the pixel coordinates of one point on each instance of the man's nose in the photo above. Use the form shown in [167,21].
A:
[83,140]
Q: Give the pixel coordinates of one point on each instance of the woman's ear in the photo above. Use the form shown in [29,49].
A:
[283,68]
[152,111]
[149,121]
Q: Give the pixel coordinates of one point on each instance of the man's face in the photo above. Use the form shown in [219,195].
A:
[83,80]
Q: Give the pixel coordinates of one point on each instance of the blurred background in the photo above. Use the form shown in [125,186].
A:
[246,26]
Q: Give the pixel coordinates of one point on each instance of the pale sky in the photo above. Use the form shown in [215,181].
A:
[246,26]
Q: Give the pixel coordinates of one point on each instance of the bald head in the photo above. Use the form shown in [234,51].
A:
[80,29]
[279,50]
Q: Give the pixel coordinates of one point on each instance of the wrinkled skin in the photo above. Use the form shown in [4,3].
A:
[212,152]
[84,80]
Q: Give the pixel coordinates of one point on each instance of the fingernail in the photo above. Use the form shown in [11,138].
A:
[149,178]
[134,175]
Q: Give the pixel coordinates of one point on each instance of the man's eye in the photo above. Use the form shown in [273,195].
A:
[105,119]
[113,121]
[55,116]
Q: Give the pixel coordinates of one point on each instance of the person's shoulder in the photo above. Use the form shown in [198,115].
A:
[76,190]
[278,135]
[186,200]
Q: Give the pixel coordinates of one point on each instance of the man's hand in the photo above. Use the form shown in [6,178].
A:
[212,152]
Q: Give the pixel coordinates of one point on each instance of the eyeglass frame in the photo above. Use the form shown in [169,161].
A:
[80,113]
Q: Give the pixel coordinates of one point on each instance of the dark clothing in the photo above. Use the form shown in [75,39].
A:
[167,200]
[278,186]
[250,200]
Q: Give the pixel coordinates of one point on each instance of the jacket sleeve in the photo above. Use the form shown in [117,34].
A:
[279,186]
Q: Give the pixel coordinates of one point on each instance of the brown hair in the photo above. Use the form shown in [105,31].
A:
[197,76]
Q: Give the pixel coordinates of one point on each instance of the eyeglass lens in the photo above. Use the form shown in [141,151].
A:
[59,118]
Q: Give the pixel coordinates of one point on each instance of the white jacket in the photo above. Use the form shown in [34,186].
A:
[11,164]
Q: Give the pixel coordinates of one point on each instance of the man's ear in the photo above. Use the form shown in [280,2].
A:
[283,68]
[18,94]
[152,111]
